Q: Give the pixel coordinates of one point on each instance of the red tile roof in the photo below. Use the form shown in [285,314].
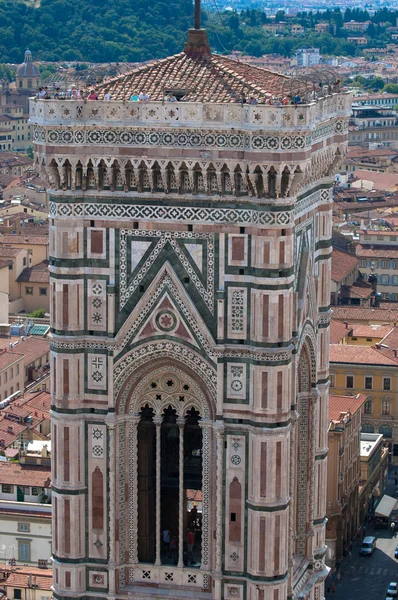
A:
[357,314]
[35,405]
[376,331]
[20,578]
[381,181]
[389,344]
[5,263]
[8,358]
[339,404]
[364,251]
[342,264]
[206,78]
[7,251]
[359,290]
[338,331]
[29,239]
[37,274]
[359,355]
[17,474]
[32,347]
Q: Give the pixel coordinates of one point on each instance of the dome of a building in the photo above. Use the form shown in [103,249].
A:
[28,67]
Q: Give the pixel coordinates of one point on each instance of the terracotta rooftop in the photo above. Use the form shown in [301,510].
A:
[389,344]
[10,252]
[205,77]
[342,264]
[17,474]
[381,181]
[376,331]
[339,404]
[35,405]
[37,274]
[8,358]
[356,314]
[360,289]
[359,355]
[29,239]
[359,152]
[20,578]
[32,348]
[338,331]
[4,263]
[362,251]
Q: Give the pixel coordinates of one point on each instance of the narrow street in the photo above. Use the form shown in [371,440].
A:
[367,577]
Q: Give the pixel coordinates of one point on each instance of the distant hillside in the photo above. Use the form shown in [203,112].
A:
[138,30]
[94,30]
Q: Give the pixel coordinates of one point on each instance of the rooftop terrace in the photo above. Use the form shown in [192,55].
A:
[193,114]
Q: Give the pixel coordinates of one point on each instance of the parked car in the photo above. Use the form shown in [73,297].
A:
[392,589]
[368,545]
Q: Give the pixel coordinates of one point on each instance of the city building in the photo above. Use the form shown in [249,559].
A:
[25,419]
[189,276]
[25,531]
[382,99]
[28,273]
[374,472]
[357,40]
[343,474]
[11,373]
[347,285]
[367,370]
[35,287]
[307,57]
[356,26]
[322,27]
[385,313]
[26,583]
[297,30]
[27,82]
[377,253]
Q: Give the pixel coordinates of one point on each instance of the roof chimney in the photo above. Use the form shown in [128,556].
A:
[197,44]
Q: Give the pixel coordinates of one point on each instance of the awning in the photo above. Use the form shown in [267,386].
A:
[385,506]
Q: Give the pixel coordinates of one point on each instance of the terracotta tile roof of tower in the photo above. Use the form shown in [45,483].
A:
[205,77]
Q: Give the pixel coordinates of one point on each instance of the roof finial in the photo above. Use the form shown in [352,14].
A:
[197,44]
[197,14]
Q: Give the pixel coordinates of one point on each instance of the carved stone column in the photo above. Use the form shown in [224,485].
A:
[219,430]
[84,178]
[205,425]
[112,509]
[134,422]
[165,180]
[181,504]
[292,487]
[312,422]
[219,175]
[158,424]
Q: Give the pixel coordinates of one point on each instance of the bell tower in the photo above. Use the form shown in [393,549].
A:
[190,260]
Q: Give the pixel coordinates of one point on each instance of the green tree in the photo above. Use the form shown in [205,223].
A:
[37,314]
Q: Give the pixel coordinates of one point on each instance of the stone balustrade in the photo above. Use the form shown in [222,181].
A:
[188,114]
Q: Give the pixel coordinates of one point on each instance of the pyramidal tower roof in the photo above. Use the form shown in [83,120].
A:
[197,75]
